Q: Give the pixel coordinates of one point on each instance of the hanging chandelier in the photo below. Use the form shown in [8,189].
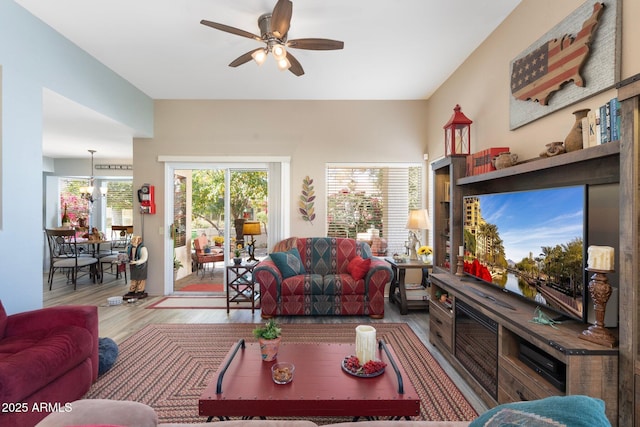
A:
[87,192]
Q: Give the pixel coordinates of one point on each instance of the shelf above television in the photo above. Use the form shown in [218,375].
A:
[603,161]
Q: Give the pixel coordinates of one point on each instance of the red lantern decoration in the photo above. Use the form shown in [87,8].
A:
[457,134]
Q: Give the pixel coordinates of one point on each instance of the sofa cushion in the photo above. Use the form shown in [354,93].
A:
[103,411]
[358,267]
[303,284]
[574,411]
[342,284]
[285,245]
[289,262]
[31,361]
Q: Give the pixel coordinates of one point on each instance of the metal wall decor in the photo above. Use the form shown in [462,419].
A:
[305,204]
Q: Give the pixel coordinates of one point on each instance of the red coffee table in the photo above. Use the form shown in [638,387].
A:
[243,387]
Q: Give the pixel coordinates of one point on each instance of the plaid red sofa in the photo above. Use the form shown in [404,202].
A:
[315,276]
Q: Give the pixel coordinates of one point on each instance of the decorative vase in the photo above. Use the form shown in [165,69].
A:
[504,160]
[269,348]
[427,259]
[237,260]
[553,149]
[573,141]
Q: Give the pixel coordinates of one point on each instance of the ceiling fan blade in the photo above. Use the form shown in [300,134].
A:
[316,44]
[295,68]
[281,18]
[232,30]
[242,59]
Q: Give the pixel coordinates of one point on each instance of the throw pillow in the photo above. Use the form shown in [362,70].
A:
[107,354]
[289,263]
[574,411]
[358,267]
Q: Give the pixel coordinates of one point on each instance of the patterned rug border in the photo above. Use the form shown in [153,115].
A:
[167,366]
[245,305]
[203,287]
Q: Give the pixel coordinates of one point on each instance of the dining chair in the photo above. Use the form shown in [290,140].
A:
[64,255]
[120,239]
[201,258]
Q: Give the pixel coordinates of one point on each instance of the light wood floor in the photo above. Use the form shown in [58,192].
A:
[120,322]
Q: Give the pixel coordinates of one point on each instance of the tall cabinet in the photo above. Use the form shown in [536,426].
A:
[629,396]
[448,235]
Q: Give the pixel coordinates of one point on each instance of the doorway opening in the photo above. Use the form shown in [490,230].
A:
[220,206]
[201,235]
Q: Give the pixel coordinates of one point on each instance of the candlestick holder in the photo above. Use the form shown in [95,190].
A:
[460,270]
[600,291]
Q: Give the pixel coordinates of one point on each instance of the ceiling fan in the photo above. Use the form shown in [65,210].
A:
[274,28]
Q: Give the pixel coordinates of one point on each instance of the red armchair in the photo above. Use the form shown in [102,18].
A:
[48,357]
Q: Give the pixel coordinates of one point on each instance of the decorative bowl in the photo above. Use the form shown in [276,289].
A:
[282,372]
[114,300]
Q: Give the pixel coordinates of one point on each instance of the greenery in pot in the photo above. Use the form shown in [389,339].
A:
[177,264]
[237,252]
[270,331]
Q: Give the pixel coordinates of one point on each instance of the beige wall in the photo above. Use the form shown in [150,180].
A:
[481,84]
[314,133]
[310,133]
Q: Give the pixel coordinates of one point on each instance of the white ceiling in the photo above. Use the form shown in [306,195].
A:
[394,50]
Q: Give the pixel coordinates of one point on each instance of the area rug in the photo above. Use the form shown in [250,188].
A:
[200,302]
[167,366]
[203,287]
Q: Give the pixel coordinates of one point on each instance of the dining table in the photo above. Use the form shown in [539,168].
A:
[93,250]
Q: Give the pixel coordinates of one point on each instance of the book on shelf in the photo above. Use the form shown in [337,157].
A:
[607,122]
[614,112]
[591,129]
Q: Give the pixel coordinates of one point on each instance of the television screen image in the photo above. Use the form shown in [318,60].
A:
[530,243]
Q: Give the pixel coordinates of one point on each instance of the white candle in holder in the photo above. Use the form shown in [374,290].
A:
[601,258]
[365,343]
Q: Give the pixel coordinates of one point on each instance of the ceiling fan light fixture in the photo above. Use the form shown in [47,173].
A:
[279,52]
[284,64]
[259,56]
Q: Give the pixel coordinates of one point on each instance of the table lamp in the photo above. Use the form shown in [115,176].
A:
[251,228]
[418,220]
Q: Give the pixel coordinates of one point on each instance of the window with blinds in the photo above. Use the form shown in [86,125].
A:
[119,203]
[360,198]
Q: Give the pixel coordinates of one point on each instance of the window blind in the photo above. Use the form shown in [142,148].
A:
[119,204]
[360,198]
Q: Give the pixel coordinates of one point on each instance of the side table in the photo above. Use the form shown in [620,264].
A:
[240,285]
[398,290]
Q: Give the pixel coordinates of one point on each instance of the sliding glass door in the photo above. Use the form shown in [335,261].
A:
[217,206]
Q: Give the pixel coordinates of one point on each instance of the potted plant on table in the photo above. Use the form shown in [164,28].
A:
[269,337]
[237,255]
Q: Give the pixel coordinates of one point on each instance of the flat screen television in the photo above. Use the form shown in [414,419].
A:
[531,244]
